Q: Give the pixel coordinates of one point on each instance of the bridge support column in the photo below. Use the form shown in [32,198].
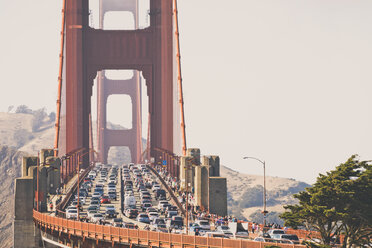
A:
[25,233]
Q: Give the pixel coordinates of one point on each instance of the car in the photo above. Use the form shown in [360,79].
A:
[130,202]
[204,224]
[131,213]
[97,194]
[160,193]
[112,195]
[174,224]
[128,187]
[110,207]
[71,214]
[155,187]
[95,202]
[97,207]
[71,207]
[111,213]
[96,218]
[160,228]
[146,197]
[171,213]
[146,205]
[128,193]
[275,231]
[93,208]
[75,204]
[226,230]
[130,225]
[91,213]
[162,203]
[153,215]
[145,193]
[144,218]
[263,239]
[292,237]
[158,220]
[105,199]
[148,210]
[143,201]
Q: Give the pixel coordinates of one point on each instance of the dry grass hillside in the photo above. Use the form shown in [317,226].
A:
[10,168]
[245,194]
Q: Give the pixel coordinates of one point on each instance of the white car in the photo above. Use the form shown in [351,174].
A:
[96,194]
[161,204]
[71,214]
[204,225]
[71,208]
[156,187]
[153,215]
[110,207]
[111,187]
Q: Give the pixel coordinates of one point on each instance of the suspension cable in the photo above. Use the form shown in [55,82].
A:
[183,127]
[57,125]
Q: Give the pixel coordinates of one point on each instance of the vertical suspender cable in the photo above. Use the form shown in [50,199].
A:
[139,100]
[57,125]
[183,127]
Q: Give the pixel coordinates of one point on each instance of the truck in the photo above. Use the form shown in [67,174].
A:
[240,230]
[130,202]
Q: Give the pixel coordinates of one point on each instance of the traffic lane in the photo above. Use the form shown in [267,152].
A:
[102,210]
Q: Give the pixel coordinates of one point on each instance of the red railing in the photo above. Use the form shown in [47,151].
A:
[143,237]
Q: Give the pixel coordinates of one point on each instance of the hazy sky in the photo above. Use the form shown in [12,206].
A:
[288,82]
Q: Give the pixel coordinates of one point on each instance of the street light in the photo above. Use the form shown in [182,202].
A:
[264,186]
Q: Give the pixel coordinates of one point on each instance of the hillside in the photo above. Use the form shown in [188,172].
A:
[10,168]
[245,194]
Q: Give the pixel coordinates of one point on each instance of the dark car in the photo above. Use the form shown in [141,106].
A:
[160,193]
[111,213]
[112,195]
[144,218]
[131,213]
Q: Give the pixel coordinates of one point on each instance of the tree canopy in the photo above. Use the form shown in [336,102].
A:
[340,202]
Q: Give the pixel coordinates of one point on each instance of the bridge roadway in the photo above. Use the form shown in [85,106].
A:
[116,203]
[126,236]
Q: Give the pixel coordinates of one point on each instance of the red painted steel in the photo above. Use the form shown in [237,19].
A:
[89,50]
[177,34]
[129,87]
[57,125]
[107,137]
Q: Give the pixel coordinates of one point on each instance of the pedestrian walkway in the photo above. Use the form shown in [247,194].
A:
[53,198]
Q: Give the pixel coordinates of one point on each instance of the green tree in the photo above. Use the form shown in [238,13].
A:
[338,203]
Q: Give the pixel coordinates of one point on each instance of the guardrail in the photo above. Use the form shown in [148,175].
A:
[170,191]
[141,237]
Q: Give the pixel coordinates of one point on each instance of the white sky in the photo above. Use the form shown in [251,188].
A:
[288,82]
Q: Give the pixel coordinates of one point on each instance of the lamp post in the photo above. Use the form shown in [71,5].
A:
[264,187]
